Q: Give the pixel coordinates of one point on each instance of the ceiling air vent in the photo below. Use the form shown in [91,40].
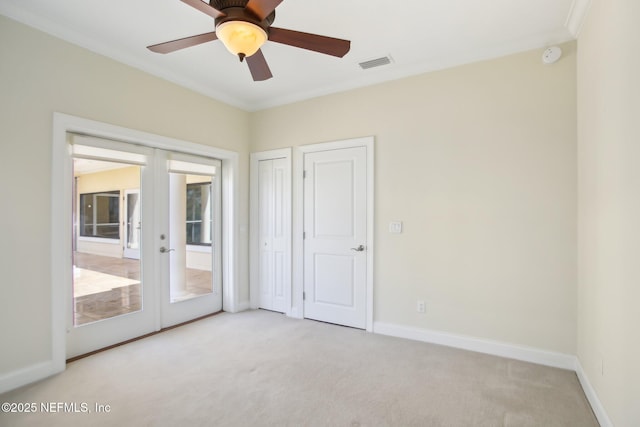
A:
[378,62]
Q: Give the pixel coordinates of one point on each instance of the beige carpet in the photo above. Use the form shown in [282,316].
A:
[262,369]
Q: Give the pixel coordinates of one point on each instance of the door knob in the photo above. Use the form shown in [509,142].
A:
[164,250]
[358,249]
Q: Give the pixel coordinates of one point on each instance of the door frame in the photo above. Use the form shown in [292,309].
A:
[61,211]
[254,225]
[298,220]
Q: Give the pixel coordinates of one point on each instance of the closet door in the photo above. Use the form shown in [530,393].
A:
[273,209]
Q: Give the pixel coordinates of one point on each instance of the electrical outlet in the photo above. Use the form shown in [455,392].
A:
[421,307]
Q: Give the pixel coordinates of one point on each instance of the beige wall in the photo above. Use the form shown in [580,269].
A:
[480,164]
[609,206]
[39,75]
[127,178]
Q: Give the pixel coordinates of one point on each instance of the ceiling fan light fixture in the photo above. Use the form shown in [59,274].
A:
[243,26]
[241,38]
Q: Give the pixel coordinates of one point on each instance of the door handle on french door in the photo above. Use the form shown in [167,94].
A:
[164,250]
[358,249]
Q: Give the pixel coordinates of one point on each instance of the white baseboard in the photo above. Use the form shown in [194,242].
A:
[295,313]
[592,396]
[243,306]
[496,348]
[27,375]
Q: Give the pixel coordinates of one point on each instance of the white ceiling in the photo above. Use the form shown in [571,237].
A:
[419,35]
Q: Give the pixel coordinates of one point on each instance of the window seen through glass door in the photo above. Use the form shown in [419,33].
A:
[100,215]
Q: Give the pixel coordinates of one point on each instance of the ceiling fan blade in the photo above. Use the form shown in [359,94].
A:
[204,7]
[322,44]
[262,8]
[258,66]
[174,45]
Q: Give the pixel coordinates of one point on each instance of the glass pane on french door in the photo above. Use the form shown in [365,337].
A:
[106,284]
[189,233]
[191,212]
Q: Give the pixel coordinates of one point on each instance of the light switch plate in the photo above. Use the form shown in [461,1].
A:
[395,227]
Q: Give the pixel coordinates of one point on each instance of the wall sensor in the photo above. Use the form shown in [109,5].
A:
[551,55]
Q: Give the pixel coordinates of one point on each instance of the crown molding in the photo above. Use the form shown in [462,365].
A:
[577,16]
[254,102]
[62,32]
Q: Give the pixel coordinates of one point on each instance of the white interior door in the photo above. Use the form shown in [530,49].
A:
[189,236]
[335,236]
[132,224]
[273,231]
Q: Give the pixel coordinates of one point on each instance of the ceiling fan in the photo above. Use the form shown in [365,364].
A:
[244,26]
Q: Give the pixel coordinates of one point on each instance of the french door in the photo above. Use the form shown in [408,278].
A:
[146,252]
[188,236]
